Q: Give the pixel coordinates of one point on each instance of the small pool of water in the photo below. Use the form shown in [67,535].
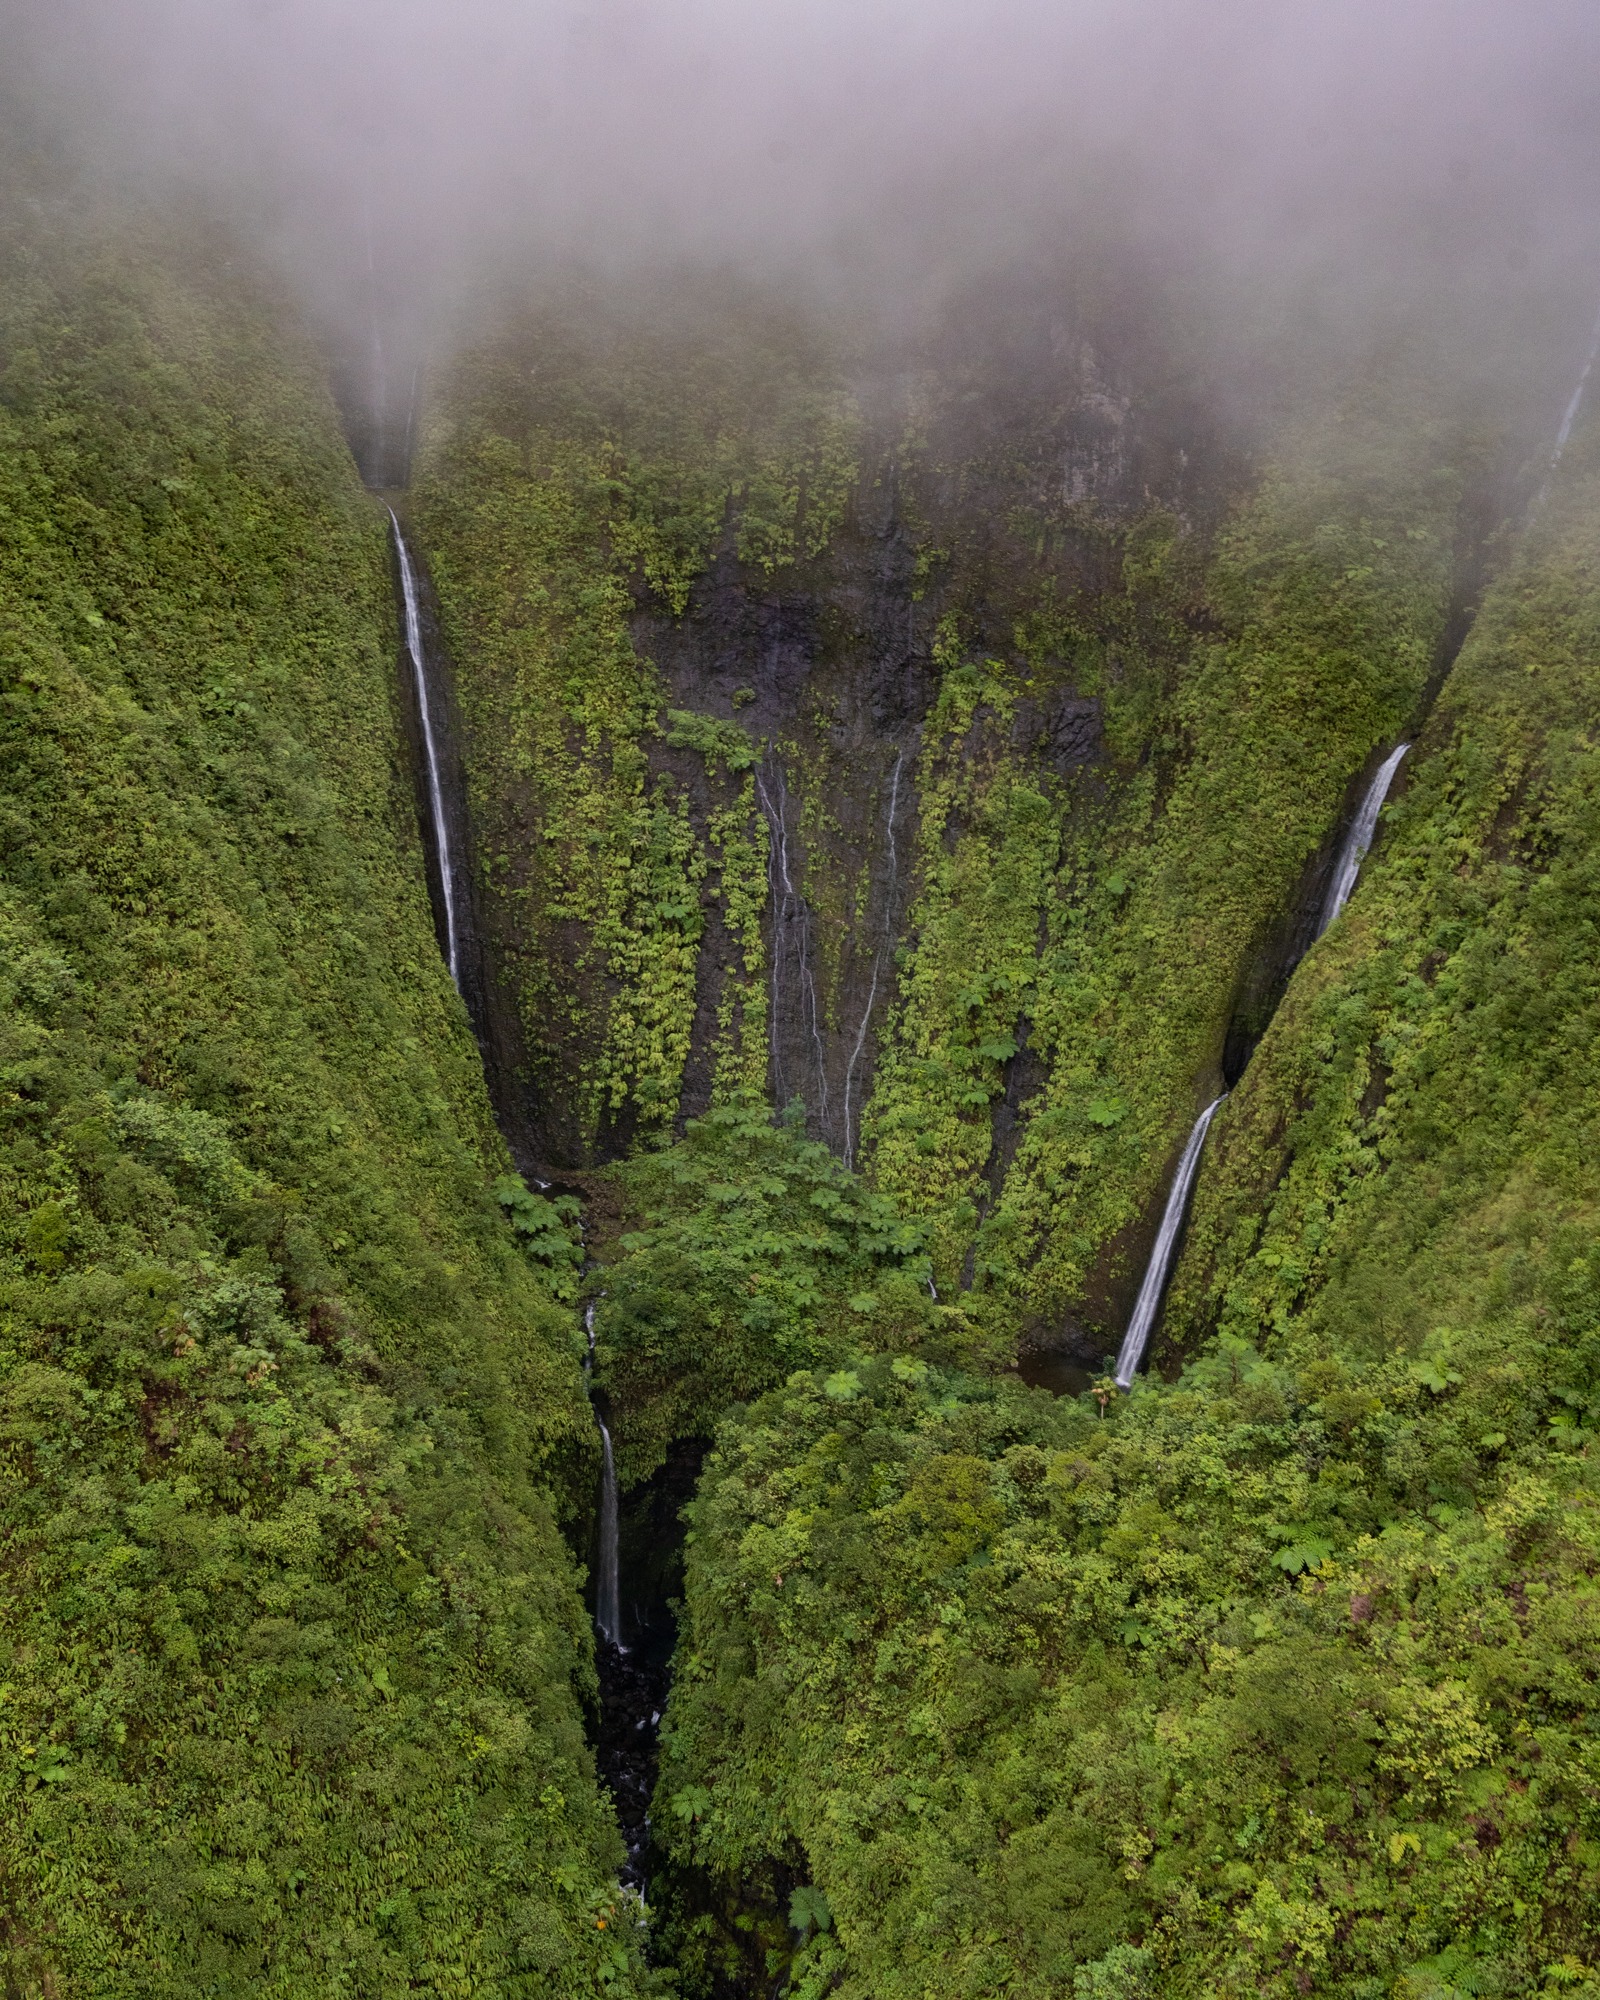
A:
[1055,1372]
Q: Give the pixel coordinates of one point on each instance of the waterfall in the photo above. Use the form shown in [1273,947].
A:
[441,831]
[1148,1303]
[1576,403]
[608,1590]
[1359,838]
[877,965]
[789,909]
[1569,418]
[608,1585]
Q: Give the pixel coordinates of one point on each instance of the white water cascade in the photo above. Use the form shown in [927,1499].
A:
[608,1587]
[608,1581]
[441,830]
[1571,416]
[877,966]
[1148,1303]
[1359,838]
[788,912]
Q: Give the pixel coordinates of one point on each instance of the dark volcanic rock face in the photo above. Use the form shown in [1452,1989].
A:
[1016,492]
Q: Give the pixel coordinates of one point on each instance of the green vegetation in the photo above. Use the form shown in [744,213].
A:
[1103,912]
[556,481]
[1278,1678]
[1117,938]
[291,1653]
[761,1253]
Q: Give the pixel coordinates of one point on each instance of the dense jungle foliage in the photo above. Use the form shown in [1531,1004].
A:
[1130,734]
[292,1658]
[1033,844]
[1278,1677]
[895,794]
[554,475]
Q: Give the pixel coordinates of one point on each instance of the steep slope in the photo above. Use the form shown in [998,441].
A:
[1280,1678]
[701,580]
[291,1653]
[945,749]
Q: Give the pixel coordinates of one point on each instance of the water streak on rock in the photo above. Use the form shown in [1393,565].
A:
[1148,1303]
[1359,838]
[430,748]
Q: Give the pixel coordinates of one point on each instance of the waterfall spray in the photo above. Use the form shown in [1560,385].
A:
[1359,838]
[1148,1303]
[441,830]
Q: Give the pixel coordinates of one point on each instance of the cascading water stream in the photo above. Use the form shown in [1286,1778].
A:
[1359,838]
[430,748]
[1148,1303]
[1576,404]
[608,1588]
[789,912]
[1352,853]
[877,967]
[608,1573]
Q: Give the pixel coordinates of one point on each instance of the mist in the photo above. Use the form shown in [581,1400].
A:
[1341,166]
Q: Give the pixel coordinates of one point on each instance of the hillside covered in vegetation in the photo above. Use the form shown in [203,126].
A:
[898,779]
[1280,1675]
[292,1658]
[1266,1677]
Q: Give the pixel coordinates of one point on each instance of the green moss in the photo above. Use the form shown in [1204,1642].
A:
[291,1652]
[1271,1679]
[543,510]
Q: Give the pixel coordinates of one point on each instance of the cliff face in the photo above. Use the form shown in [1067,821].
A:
[293,1650]
[943,747]
[1276,1676]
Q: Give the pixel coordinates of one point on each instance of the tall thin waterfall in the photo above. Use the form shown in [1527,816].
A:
[430,747]
[877,965]
[608,1587]
[1148,1303]
[1359,838]
[1568,419]
[1576,404]
[608,1578]
[789,915]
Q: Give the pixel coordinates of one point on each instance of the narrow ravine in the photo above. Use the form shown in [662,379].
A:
[1352,852]
[633,1677]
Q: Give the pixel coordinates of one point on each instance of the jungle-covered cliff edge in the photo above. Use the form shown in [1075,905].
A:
[294,1660]
[953,748]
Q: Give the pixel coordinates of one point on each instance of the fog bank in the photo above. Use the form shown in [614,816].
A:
[1379,158]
